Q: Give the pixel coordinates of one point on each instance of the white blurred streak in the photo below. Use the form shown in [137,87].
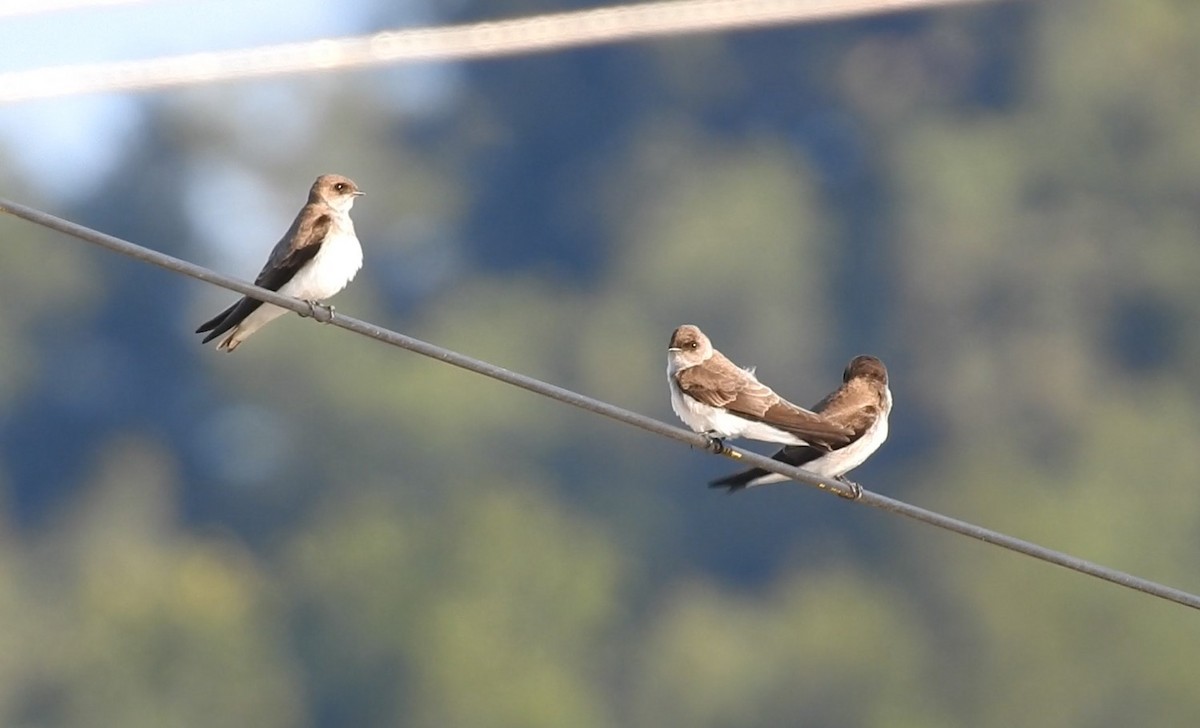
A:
[534,34]
[9,8]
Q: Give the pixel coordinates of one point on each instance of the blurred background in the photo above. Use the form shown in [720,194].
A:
[1001,201]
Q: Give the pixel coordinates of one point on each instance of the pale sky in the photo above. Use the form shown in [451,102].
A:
[64,146]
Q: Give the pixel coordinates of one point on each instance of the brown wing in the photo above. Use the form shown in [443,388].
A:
[285,261]
[310,230]
[737,391]
[855,405]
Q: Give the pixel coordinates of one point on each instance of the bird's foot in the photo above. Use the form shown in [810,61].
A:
[326,311]
[717,446]
[856,490]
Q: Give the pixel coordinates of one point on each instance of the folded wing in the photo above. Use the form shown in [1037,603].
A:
[740,393]
[838,407]
[285,261]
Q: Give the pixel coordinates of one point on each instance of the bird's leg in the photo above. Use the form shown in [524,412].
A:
[714,444]
[856,490]
[717,446]
[325,308]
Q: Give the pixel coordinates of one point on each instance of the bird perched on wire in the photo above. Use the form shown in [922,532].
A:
[316,258]
[861,404]
[714,396]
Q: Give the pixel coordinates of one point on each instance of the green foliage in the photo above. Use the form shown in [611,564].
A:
[123,618]
[63,288]
[434,548]
[492,610]
[829,646]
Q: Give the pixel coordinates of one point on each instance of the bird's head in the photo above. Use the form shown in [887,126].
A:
[336,191]
[865,367]
[689,347]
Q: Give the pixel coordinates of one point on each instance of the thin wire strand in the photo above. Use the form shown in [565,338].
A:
[596,406]
[535,34]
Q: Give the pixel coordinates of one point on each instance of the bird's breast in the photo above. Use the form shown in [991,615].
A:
[335,265]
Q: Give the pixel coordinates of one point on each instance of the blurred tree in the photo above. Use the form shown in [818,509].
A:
[321,530]
[824,646]
[493,610]
[123,619]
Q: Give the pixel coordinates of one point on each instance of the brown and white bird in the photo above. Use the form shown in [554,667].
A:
[714,396]
[316,258]
[861,404]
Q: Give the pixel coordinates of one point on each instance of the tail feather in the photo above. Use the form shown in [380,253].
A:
[228,319]
[215,321]
[223,328]
[738,481]
[228,344]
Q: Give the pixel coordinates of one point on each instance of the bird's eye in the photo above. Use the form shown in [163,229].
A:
[693,344]
[340,186]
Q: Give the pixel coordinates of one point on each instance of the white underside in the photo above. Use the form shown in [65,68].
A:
[703,418]
[333,267]
[843,460]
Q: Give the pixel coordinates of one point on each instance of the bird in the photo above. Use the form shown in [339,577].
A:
[861,404]
[719,399]
[317,257]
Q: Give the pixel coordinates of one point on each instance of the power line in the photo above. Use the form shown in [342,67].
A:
[534,34]
[596,406]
